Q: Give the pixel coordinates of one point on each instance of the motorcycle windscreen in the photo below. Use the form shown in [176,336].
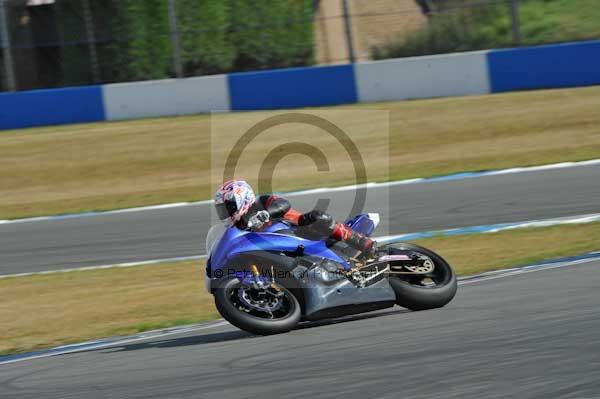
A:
[362,224]
[213,236]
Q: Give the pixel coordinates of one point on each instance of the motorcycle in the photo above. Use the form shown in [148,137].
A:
[266,282]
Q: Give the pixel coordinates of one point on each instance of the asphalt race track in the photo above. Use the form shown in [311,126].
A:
[176,232]
[532,335]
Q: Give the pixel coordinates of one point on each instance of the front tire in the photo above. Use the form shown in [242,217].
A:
[414,296]
[254,322]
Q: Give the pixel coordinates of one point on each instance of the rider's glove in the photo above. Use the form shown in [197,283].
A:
[258,220]
[318,220]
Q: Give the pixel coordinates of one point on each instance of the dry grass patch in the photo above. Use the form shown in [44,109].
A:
[112,165]
[49,310]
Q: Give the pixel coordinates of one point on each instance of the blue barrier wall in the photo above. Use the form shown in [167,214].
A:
[292,88]
[51,107]
[554,66]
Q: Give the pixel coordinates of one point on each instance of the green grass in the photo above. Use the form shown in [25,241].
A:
[551,21]
[490,26]
[42,311]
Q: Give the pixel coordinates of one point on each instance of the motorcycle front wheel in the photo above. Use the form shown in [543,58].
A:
[256,311]
[431,291]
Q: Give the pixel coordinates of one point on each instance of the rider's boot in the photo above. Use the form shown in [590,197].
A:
[354,239]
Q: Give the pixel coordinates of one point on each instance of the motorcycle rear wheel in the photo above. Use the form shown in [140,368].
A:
[411,291]
[256,322]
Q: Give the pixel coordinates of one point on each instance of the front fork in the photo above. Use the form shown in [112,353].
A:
[255,281]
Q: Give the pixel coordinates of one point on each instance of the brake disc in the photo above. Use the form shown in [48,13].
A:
[261,300]
[426,267]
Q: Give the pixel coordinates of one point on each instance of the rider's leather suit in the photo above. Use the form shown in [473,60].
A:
[316,222]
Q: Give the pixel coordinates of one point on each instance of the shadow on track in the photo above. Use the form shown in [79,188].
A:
[346,319]
[238,334]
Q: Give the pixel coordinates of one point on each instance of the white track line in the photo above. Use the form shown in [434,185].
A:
[137,338]
[456,176]
[493,228]
[118,265]
[159,334]
[485,229]
[525,270]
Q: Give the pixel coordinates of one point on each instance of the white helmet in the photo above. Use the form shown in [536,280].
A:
[233,199]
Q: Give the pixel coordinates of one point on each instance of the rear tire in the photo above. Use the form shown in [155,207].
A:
[417,297]
[249,322]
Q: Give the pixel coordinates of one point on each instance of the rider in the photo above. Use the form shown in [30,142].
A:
[238,206]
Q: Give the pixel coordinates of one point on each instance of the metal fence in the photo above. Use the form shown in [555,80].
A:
[57,43]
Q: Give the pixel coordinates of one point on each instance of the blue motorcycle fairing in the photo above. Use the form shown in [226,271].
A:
[236,241]
[322,297]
